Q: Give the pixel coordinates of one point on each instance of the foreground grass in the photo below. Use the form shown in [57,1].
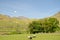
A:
[51,36]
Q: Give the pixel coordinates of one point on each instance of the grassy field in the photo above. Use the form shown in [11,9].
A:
[51,36]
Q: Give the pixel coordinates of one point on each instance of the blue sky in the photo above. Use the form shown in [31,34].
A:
[29,8]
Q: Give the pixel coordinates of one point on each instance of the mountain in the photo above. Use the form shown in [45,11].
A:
[9,24]
[22,18]
[4,17]
[57,15]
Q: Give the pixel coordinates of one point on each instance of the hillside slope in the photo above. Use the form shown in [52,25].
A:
[8,23]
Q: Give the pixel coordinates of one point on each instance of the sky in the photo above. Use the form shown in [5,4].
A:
[29,8]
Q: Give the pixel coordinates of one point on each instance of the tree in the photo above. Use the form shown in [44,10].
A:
[45,25]
[53,24]
[34,27]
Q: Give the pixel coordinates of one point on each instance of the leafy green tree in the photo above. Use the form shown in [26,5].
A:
[53,24]
[45,25]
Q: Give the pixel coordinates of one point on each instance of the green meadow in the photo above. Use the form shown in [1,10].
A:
[29,19]
[41,36]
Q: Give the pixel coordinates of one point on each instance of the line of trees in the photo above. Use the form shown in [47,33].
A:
[47,25]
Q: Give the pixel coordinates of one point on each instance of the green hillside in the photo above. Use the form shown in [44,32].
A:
[9,24]
[17,24]
[57,15]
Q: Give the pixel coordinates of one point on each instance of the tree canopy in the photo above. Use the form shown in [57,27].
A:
[47,25]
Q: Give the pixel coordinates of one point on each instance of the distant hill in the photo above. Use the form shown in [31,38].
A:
[22,18]
[4,17]
[57,15]
[8,23]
